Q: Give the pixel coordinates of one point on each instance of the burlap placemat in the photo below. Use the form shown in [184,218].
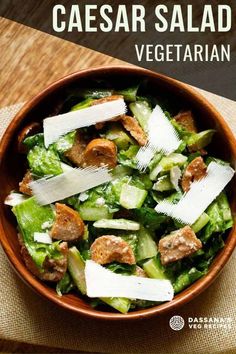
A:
[26,317]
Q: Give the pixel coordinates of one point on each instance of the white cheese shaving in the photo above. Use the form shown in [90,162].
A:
[56,126]
[42,237]
[66,167]
[74,181]
[83,196]
[101,282]
[100,201]
[200,195]
[46,225]
[14,199]
[161,137]
[144,156]
[175,174]
[161,133]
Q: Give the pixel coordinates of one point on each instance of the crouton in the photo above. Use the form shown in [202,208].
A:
[194,172]
[186,120]
[139,272]
[100,152]
[179,244]
[53,269]
[109,248]
[75,153]
[24,184]
[68,225]
[132,126]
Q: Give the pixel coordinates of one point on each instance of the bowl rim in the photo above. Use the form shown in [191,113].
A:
[186,295]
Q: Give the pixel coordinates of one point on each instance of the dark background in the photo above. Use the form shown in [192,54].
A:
[217,77]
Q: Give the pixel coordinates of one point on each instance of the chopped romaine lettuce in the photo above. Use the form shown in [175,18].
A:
[65,285]
[84,104]
[118,135]
[183,133]
[121,171]
[200,222]
[163,184]
[154,269]
[155,161]
[141,111]
[131,239]
[37,139]
[128,157]
[121,268]
[220,218]
[141,181]
[132,197]
[90,212]
[30,217]
[150,219]
[65,142]
[43,162]
[186,278]
[198,141]
[129,94]
[94,93]
[174,159]
[118,303]
[147,247]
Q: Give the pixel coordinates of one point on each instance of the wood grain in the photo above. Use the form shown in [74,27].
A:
[30,60]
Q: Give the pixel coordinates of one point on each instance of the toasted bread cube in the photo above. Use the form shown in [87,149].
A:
[110,248]
[185,119]
[24,184]
[53,269]
[68,225]
[100,152]
[179,244]
[195,171]
[133,127]
[75,153]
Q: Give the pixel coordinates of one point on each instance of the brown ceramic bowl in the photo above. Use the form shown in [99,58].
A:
[45,103]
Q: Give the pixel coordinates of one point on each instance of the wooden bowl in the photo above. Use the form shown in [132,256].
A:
[12,167]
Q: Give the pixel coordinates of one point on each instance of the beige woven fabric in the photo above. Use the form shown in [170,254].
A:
[26,317]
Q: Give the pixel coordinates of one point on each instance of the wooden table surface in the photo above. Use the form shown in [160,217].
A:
[30,60]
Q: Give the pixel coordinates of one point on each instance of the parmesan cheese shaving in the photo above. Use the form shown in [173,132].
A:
[47,225]
[14,199]
[101,282]
[161,137]
[144,156]
[42,237]
[175,174]
[74,181]
[200,195]
[61,124]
